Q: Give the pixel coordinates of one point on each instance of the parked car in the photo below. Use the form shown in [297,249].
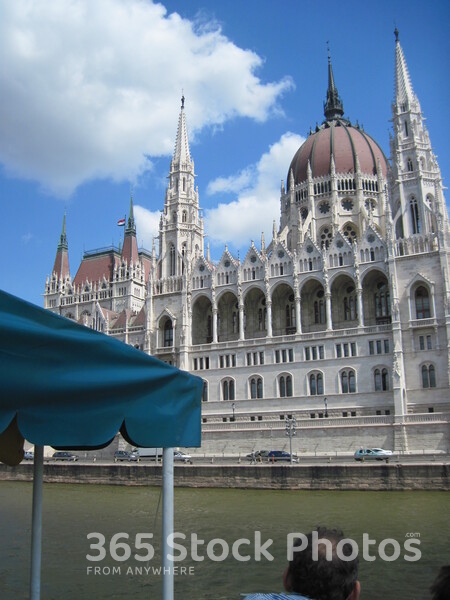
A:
[373,454]
[28,455]
[65,456]
[120,455]
[276,455]
[181,456]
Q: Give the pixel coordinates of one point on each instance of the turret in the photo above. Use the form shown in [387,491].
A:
[61,265]
[130,249]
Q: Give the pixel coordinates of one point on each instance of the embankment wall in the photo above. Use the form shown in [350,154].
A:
[383,477]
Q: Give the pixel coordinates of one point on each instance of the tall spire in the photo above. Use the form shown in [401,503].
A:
[61,265]
[131,225]
[333,107]
[404,94]
[130,249]
[181,153]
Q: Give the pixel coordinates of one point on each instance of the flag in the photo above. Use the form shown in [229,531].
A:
[121,222]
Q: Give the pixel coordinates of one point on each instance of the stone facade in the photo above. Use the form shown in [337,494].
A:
[344,317]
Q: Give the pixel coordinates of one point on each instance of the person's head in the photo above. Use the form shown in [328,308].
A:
[317,568]
[440,589]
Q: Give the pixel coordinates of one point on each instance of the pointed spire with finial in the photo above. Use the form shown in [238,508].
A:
[181,153]
[130,250]
[131,225]
[61,264]
[404,94]
[333,107]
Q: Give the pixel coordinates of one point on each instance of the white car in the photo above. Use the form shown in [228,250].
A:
[373,454]
[187,458]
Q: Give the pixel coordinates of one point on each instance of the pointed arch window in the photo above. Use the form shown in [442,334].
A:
[184,216]
[428,376]
[382,299]
[168,334]
[410,165]
[422,299]
[290,315]
[415,216]
[172,260]
[350,308]
[319,311]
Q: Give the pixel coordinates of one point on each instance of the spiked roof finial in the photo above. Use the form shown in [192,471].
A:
[333,107]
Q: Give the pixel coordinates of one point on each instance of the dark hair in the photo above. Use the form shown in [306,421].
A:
[440,589]
[323,579]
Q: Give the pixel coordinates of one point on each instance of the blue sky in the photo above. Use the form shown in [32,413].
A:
[90,97]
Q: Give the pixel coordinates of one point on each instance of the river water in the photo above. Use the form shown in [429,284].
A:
[71,512]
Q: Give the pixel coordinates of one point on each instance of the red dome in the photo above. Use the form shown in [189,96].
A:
[337,138]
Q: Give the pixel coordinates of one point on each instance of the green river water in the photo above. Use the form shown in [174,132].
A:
[71,512]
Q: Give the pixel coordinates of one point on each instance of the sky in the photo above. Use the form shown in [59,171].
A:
[90,94]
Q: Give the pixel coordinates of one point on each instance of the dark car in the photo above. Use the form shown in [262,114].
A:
[120,455]
[276,455]
[65,456]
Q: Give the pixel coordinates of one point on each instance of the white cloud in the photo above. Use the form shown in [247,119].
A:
[147,225]
[258,198]
[86,87]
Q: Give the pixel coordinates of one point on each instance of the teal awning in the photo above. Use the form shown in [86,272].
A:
[69,386]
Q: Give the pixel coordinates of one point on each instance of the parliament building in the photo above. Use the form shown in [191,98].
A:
[337,329]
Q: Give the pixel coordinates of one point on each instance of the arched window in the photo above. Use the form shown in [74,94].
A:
[228,389]
[319,311]
[381,380]
[348,382]
[382,301]
[184,216]
[316,384]
[259,388]
[406,128]
[168,334]
[384,380]
[415,217]
[410,165]
[205,391]
[349,308]
[422,303]
[209,327]
[290,315]
[256,387]
[285,385]
[172,260]
[428,376]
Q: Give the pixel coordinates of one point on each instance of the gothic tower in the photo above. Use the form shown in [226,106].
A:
[417,198]
[181,225]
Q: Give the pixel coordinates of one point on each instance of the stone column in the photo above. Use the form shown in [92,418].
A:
[241,320]
[360,307]
[214,331]
[328,310]
[269,317]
